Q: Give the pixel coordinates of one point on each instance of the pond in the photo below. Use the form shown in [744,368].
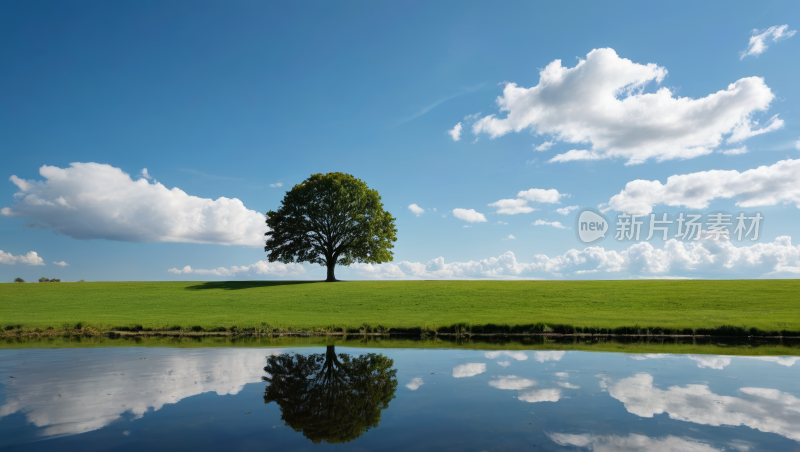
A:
[347,397]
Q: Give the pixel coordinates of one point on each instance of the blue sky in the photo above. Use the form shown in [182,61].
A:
[228,99]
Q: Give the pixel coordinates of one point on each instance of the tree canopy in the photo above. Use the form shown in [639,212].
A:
[331,219]
[329,397]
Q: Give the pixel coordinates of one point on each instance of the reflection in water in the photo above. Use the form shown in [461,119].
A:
[329,397]
[415,383]
[711,362]
[91,390]
[768,410]
[469,370]
[548,356]
[523,385]
[631,443]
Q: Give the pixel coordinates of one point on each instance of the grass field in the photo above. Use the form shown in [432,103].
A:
[674,306]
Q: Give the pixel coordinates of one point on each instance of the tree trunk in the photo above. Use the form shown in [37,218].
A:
[331,277]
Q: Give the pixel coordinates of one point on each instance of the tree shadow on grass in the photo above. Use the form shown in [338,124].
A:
[238,285]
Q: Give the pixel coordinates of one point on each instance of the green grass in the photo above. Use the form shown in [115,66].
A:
[699,305]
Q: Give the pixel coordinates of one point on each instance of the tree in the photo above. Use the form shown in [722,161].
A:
[43,279]
[329,397]
[19,280]
[331,219]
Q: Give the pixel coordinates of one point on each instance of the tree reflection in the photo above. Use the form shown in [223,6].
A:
[329,397]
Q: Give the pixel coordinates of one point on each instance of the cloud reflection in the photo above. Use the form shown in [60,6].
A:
[631,443]
[415,383]
[767,410]
[469,370]
[96,389]
[512,382]
[548,356]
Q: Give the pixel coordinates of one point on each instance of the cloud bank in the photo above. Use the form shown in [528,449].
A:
[98,201]
[602,101]
[762,186]
[272,269]
[702,258]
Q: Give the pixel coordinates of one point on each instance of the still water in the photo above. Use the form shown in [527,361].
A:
[350,398]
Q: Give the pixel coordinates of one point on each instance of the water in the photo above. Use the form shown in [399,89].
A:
[359,398]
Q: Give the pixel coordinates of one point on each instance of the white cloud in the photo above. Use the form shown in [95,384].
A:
[555,224]
[550,196]
[455,132]
[562,374]
[767,410]
[631,443]
[61,264]
[127,383]
[566,210]
[512,382]
[758,42]
[650,356]
[510,237]
[541,395]
[505,363]
[762,186]
[416,210]
[567,385]
[787,361]
[98,201]
[544,146]
[415,383]
[512,206]
[32,258]
[272,269]
[602,101]
[469,370]
[675,259]
[469,215]
[276,185]
[735,151]
[554,355]
[520,205]
[145,174]
[746,130]
[711,362]
[575,154]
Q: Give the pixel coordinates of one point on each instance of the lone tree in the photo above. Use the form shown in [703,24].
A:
[331,219]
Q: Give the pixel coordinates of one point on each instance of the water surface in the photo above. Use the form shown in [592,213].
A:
[356,398]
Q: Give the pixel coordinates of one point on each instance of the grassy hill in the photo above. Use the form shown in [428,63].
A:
[559,306]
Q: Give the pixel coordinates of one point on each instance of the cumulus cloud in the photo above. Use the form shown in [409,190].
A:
[567,385]
[61,264]
[276,185]
[750,128]
[762,186]
[555,224]
[469,370]
[469,215]
[602,101]
[566,210]
[512,382]
[416,210]
[415,383]
[631,443]
[767,410]
[32,258]
[759,42]
[272,269]
[512,206]
[455,132]
[544,146]
[145,174]
[98,201]
[510,237]
[520,204]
